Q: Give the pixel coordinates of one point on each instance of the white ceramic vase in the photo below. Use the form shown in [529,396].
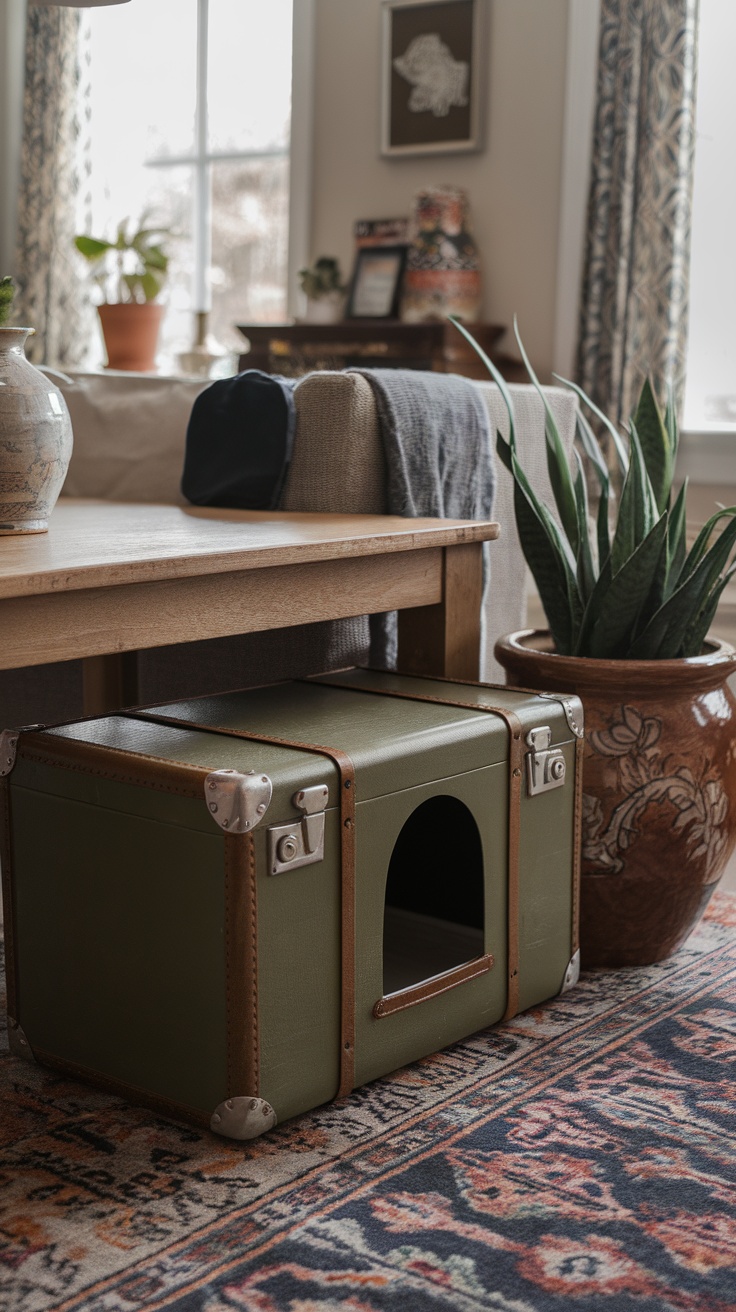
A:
[35,439]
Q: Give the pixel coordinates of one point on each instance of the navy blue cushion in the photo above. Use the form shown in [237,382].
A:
[239,441]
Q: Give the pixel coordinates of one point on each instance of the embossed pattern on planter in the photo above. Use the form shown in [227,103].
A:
[659,791]
[35,439]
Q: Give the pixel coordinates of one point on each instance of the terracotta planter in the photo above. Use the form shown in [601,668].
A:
[659,789]
[35,439]
[131,335]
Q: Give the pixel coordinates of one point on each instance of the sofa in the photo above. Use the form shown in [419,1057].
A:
[129,435]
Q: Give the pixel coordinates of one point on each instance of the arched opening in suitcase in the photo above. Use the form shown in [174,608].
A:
[433,917]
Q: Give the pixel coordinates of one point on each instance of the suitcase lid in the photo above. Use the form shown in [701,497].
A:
[394,742]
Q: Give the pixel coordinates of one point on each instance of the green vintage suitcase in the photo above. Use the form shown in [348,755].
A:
[236,908]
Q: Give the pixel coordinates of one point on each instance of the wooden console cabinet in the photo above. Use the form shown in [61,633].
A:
[298,348]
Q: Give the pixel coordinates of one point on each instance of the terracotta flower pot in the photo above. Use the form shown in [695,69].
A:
[659,789]
[131,335]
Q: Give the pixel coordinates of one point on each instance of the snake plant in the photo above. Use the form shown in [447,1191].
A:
[620,584]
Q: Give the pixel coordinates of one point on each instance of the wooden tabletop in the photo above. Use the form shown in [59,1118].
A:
[99,544]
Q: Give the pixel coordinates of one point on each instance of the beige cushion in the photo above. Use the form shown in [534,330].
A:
[338,462]
[129,435]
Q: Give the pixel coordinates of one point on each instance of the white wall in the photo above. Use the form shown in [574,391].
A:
[513,184]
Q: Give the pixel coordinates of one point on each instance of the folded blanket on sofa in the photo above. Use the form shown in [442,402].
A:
[239,442]
[439,457]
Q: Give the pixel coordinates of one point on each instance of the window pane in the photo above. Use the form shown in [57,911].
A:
[143,89]
[710,399]
[249,74]
[250,219]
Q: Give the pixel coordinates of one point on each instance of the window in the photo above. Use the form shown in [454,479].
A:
[710,399]
[188,106]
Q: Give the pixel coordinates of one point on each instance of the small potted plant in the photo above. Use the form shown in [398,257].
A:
[324,289]
[130,273]
[629,605]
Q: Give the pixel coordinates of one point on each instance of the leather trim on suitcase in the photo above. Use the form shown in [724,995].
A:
[241,966]
[430,988]
[7,871]
[346,771]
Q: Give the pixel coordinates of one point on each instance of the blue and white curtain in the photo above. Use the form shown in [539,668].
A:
[635,283]
[50,297]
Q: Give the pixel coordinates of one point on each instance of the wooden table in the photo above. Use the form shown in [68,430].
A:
[108,579]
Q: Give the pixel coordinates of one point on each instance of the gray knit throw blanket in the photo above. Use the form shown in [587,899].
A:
[439,458]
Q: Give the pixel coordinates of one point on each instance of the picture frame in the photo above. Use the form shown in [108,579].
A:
[432,92]
[375,286]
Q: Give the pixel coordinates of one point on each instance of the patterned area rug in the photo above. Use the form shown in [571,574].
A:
[580,1157]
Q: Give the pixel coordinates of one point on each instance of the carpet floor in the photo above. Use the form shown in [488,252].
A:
[582,1156]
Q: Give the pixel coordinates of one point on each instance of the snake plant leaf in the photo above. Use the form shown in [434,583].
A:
[549,558]
[618,444]
[589,443]
[656,445]
[557,467]
[663,637]
[591,448]
[545,564]
[700,545]
[697,632]
[585,569]
[504,451]
[620,608]
[677,540]
[495,373]
[637,511]
[602,530]
[670,423]
[91,248]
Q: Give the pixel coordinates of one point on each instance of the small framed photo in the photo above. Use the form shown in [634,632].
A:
[431,67]
[375,287]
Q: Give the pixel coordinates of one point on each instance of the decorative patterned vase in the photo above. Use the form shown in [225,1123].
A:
[443,266]
[131,335]
[35,439]
[659,789]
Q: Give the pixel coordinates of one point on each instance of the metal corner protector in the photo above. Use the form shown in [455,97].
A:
[237,802]
[572,974]
[243,1118]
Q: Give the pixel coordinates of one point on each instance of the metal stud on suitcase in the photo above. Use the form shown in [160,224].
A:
[236,908]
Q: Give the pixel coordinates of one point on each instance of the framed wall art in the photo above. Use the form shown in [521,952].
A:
[431,69]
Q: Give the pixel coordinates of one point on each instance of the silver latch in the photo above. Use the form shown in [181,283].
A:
[301,843]
[545,765]
[237,802]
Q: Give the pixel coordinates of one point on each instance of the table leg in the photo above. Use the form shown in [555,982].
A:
[109,682]
[445,639]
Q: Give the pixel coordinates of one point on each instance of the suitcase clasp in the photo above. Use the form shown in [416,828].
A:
[302,843]
[545,765]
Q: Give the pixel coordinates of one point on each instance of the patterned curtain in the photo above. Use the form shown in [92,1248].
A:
[635,284]
[50,297]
